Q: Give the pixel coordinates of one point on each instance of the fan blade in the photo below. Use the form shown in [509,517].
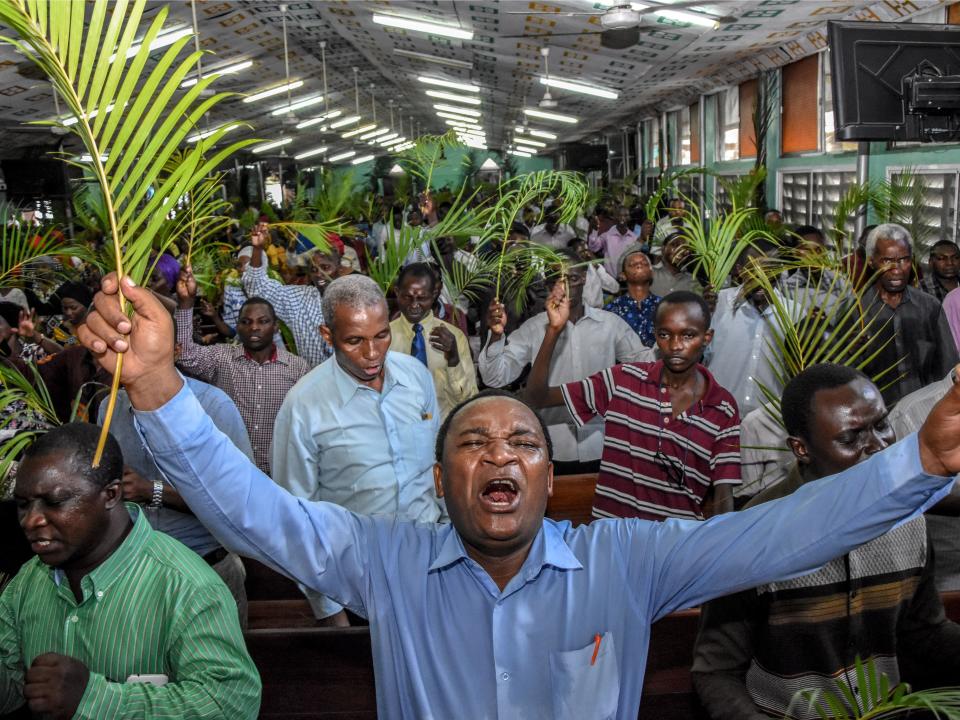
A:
[547,12]
[653,7]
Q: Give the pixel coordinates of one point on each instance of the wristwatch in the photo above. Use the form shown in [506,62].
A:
[156,499]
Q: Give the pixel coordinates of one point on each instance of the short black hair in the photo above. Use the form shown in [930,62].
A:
[518,228]
[944,243]
[685,297]
[418,270]
[808,230]
[258,301]
[78,443]
[11,313]
[488,393]
[760,246]
[796,402]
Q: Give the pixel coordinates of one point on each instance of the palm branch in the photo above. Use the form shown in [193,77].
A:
[567,188]
[422,159]
[742,189]
[668,184]
[715,247]
[385,268]
[85,55]
[22,401]
[29,256]
[822,323]
[875,698]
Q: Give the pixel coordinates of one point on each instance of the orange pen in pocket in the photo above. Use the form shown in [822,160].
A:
[596,649]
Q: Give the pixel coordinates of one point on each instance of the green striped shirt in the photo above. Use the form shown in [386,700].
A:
[152,608]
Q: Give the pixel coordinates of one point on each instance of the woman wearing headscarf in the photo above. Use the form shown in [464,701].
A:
[75,299]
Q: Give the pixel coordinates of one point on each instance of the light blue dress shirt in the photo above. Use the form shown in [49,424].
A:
[338,440]
[447,643]
[215,403]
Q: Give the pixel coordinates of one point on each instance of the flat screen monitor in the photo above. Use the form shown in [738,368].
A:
[895,81]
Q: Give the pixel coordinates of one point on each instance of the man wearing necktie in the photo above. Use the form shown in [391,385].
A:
[440,346]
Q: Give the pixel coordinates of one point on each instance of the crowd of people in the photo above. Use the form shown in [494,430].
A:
[393,452]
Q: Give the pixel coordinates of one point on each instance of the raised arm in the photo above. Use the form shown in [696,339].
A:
[502,360]
[198,360]
[538,393]
[240,505]
[256,283]
[681,563]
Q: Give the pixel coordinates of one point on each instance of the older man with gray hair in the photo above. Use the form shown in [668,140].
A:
[358,430]
[907,327]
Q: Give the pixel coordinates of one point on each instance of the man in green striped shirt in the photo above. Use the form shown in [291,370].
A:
[112,619]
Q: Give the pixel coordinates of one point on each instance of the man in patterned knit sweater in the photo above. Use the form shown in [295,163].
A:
[757,648]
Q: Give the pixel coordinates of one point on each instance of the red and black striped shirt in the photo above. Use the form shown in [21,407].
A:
[655,466]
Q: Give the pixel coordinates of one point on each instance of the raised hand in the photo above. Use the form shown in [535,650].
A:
[186,287]
[558,306]
[260,235]
[136,488]
[145,338]
[27,327]
[54,685]
[497,317]
[443,340]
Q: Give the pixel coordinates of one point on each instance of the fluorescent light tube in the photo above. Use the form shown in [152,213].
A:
[520,153]
[165,38]
[270,92]
[533,112]
[271,145]
[359,160]
[541,133]
[468,87]
[470,112]
[441,95]
[310,153]
[230,127]
[580,88]
[342,156]
[450,62]
[535,143]
[401,148]
[357,131]
[689,17]
[374,134]
[462,123]
[391,136]
[454,116]
[346,121]
[421,26]
[297,105]
[313,121]
[394,142]
[225,70]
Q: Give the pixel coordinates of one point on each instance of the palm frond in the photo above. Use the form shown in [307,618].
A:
[876,699]
[742,190]
[32,257]
[715,246]
[131,116]
[669,184]
[422,159]
[400,244]
[26,405]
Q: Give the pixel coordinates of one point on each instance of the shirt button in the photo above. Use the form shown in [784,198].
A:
[256,427]
[74,618]
[505,676]
[99,593]
[259,387]
[666,421]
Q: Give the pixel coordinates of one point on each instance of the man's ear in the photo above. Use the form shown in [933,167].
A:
[800,450]
[113,494]
[550,480]
[326,334]
[708,337]
[438,479]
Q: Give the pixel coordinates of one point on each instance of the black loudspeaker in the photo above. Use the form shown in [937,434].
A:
[580,157]
[34,179]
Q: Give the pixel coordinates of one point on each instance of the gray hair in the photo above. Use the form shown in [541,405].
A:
[887,231]
[353,291]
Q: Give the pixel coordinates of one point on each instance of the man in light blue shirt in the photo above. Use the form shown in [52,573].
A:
[505,614]
[358,430]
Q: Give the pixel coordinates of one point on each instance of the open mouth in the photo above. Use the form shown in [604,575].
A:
[500,494]
[41,546]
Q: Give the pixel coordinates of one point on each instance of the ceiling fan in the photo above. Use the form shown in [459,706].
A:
[620,23]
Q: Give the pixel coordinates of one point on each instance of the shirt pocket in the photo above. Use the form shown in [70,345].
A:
[422,438]
[585,691]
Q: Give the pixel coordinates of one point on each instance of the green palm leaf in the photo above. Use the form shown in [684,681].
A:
[131,118]
[716,245]
[31,257]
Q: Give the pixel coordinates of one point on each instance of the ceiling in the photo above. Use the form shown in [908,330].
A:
[669,66]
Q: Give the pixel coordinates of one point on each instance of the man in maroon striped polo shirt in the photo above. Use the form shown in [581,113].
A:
[671,433]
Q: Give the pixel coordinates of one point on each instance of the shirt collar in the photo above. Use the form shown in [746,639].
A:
[347,387]
[119,560]
[713,394]
[274,357]
[549,548]
[427,319]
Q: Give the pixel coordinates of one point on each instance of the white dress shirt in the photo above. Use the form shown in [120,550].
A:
[597,341]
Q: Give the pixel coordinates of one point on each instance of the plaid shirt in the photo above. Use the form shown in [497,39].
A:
[298,306]
[930,286]
[258,390]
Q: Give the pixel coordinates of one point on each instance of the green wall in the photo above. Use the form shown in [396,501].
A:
[881,157]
